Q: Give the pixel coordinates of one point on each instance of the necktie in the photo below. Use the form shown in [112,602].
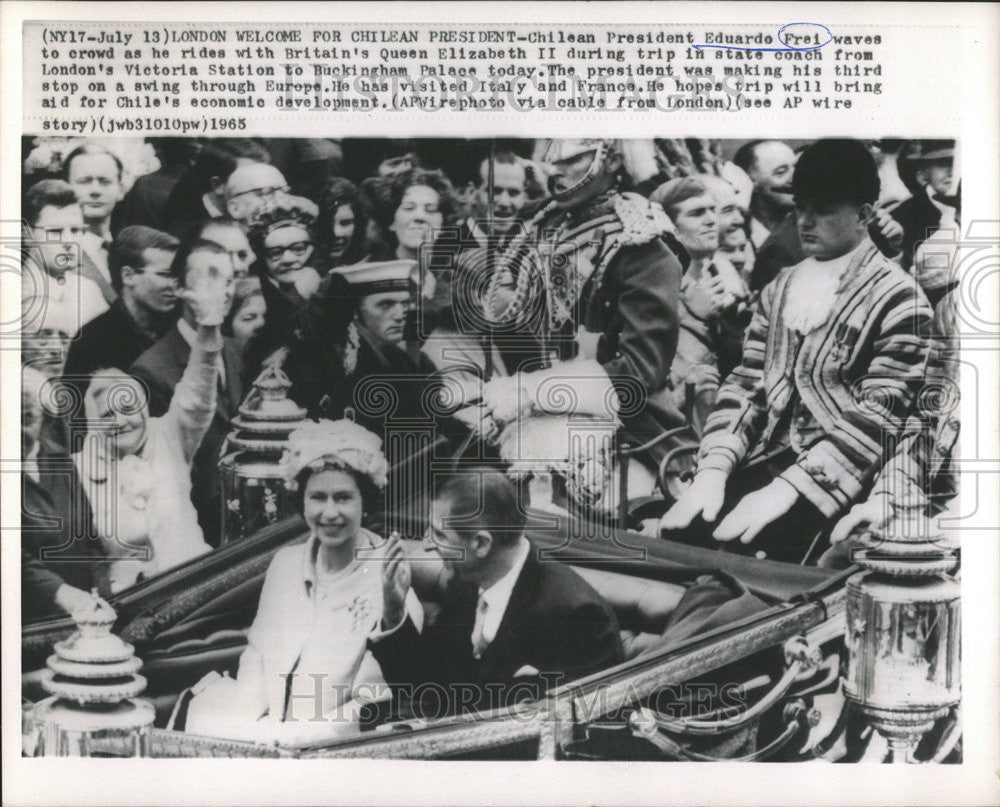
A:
[479,644]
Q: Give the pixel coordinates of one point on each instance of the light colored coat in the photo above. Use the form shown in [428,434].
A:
[142,502]
[295,631]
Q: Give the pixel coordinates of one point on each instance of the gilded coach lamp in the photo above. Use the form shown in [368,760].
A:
[903,632]
[254,493]
[93,681]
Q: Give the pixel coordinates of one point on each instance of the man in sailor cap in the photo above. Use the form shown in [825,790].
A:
[365,366]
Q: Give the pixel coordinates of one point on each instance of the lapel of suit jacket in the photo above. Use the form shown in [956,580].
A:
[180,353]
[226,403]
[89,270]
[234,389]
[513,625]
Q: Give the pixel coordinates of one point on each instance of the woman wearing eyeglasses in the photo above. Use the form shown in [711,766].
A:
[281,235]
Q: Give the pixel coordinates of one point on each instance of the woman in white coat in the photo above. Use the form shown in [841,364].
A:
[136,470]
[307,671]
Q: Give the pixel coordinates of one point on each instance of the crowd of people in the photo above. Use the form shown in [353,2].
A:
[769,311]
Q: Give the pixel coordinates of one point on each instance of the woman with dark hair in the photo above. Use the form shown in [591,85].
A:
[321,600]
[422,202]
[246,315]
[342,224]
[423,205]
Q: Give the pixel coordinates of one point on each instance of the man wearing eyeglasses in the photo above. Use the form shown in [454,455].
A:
[200,194]
[51,285]
[251,186]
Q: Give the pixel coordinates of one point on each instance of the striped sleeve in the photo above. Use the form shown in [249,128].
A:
[834,470]
[740,407]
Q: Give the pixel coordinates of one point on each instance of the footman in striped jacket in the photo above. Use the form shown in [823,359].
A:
[832,360]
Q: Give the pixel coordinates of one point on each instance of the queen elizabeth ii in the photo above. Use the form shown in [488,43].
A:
[306,671]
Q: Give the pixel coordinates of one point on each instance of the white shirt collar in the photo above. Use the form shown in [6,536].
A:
[837,266]
[939,205]
[95,248]
[758,232]
[30,463]
[498,595]
[813,289]
[211,207]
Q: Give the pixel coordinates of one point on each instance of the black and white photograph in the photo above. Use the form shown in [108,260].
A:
[331,395]
[589,446]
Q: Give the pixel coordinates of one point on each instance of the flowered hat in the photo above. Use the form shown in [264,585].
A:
[317,444]
[282,212]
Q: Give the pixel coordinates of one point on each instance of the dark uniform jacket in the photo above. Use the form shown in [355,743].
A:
[631,299]
[556,629]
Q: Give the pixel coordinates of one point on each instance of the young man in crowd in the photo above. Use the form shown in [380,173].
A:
[714,297]
[161,367]
[727,207]
[510,627]
[144,311]
[510,194]
[833,358]
[328,367]
[96,175]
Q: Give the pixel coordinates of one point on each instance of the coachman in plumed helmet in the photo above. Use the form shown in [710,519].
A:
[593,282]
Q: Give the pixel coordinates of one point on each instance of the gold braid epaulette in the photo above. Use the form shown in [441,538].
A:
[614,221]
[641,220]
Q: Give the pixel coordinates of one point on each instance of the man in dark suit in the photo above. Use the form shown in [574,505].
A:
[200,193]
[61,558]
[160,368]
[139,262]
[511,626]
